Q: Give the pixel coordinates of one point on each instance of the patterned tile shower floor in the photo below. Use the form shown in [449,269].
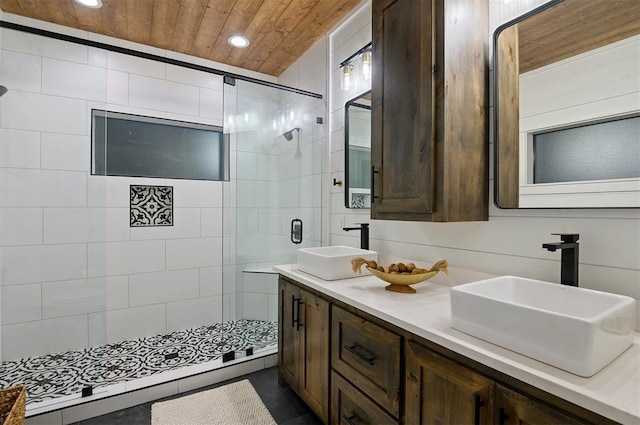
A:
[57,375]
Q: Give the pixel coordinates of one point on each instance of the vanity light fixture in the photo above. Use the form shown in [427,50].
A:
[238,41]
[93,4]
[345,78]
[365,65]
[347,68]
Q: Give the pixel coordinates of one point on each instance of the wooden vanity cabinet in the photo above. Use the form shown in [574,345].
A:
[369,356]
[303,346]
[440,391]
[351,367]
[350,406]
[515,408]
[429,147]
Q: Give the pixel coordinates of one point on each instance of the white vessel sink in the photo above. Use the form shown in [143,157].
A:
[575,329]
[332,262]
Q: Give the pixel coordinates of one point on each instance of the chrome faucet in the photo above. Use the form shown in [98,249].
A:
[364,234]
[569,259]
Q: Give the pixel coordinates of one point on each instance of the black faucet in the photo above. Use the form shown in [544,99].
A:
[364,234]
[569,259]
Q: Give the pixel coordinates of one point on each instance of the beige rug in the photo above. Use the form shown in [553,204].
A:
[236,403]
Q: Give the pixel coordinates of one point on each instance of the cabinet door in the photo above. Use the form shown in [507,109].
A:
[515,408]
[314,354]
[288,342]
[440,391]
[402,145]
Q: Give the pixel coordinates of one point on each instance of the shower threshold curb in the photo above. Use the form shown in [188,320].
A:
[140,384]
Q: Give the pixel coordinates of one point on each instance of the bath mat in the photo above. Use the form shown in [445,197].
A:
[236,403]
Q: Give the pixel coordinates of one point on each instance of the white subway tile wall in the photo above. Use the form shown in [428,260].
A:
[19,148]
[210,281]
[33,338]
[66,248]
[193,313]
[163,287]
[74,273]
[26,306]
[20,226]
[130,323]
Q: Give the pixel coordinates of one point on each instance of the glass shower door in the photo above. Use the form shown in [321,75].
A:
[274,201]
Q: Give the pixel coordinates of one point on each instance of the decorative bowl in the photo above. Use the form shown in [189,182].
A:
[401,282]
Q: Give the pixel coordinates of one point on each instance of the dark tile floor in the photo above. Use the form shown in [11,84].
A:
[284,404]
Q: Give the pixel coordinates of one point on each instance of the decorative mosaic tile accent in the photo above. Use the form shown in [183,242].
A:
[56,375]
[359,200]
[151,206]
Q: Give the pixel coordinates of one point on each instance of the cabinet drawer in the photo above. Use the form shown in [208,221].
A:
[350,407]
[368,356]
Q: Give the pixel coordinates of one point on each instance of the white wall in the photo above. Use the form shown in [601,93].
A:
[510,242]
[349,37]
[74,274]
[600,84]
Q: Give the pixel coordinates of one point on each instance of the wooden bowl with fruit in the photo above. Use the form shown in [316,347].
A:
[399,275]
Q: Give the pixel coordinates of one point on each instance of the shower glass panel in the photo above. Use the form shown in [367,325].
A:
[274,192]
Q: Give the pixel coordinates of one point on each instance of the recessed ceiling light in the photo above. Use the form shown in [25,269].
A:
[94,4]
[238,41]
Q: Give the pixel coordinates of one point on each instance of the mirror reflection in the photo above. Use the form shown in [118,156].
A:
[357,152]
[567,102]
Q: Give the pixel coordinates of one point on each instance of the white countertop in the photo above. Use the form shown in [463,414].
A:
[614,392]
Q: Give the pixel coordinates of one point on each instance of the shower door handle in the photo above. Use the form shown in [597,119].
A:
[296,231]
[293,310]
[299,323]
[295,316]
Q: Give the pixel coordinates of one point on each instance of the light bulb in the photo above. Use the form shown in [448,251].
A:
[93,4]
[238,41]
[365,65]
[345,80]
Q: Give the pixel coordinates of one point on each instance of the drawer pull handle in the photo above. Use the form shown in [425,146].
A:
[502,416]
[359,354]
[478,404]
[351,420]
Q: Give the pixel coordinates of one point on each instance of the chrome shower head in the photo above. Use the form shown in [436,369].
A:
[288,135]
[3,90]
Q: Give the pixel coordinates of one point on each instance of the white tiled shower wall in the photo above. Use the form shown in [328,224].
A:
[302,182]
[511,241]
[73,273]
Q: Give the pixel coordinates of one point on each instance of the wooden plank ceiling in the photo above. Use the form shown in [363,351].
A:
[280,31]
